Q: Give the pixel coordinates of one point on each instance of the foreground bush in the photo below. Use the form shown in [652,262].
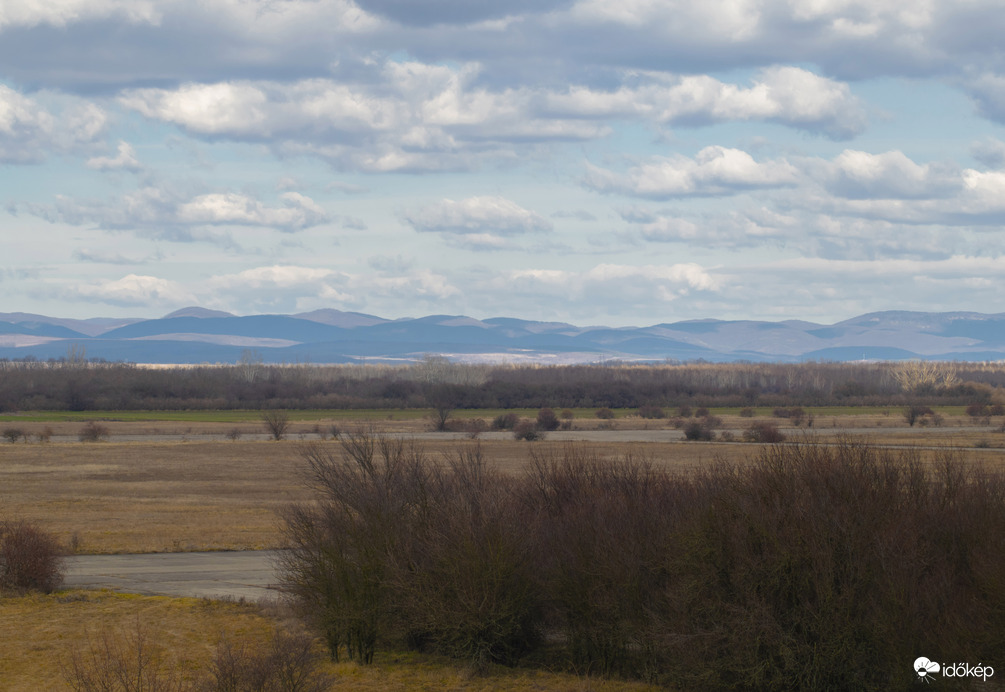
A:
[807,568]
[30,558]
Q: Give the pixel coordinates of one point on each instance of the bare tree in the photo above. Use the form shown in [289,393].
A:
[276,423]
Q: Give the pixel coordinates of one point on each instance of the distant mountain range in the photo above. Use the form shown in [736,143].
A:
[197,335]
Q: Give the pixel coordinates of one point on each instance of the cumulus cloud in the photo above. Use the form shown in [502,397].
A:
[293,287]
[485,218]
[125,159]
[605,286]
[61,13]
[298,212]
[890,175]
[123,42]
[787,95]
[132,290]
[715,171]
[29,132]
[411,117]
[155,209]
[892,187]
[417,116]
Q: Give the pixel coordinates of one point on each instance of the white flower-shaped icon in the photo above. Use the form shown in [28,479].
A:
[925,668]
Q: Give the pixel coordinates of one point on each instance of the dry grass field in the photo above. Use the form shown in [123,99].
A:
[161,486]
[41,632]
[157,486]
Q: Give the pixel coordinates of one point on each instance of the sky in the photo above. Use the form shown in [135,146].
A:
[618,162]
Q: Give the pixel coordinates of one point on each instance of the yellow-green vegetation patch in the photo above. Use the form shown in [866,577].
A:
[41,633]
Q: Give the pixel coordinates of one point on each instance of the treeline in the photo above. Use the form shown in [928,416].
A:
[809,568]
[435,382]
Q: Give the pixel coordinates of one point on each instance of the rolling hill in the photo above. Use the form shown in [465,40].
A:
[196,335]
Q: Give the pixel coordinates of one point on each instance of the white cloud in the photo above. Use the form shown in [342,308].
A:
[125,159]
[132,290]
[714,171]
[894,188]
[417,116]
[29,132]
[153,208]
[231,208]
[292,288]
[787,95]
[861,175]
[484,217]
[60,13]
[606,286]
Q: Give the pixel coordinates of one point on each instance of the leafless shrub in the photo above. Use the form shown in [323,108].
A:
[916,412]
[336,564]
[525,430]
[505,421]
[93,432]
[699,430]
[234,434]
[764,432]
[288,663]
[605,413]
[808,567]
[464,581]
[547,420]
[114,663]
[652,412]
[44,435]
[30,558]
[746,412]
[277,423]
[12,435]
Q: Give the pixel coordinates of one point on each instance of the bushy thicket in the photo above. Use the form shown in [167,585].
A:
[807,568]
[444,386]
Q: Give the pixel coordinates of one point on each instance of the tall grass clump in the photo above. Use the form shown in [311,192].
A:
[804,568]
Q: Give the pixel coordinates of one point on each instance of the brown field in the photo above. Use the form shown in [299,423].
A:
[183,486]
[174,486]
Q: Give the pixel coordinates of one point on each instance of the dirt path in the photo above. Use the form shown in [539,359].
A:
[248,574]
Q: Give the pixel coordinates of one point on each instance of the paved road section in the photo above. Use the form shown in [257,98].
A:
[239,574]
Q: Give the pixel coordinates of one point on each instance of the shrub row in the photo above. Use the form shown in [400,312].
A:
[435,382]
[807,568]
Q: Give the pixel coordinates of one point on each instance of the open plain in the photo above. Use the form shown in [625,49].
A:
[163,485]
[157,484]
